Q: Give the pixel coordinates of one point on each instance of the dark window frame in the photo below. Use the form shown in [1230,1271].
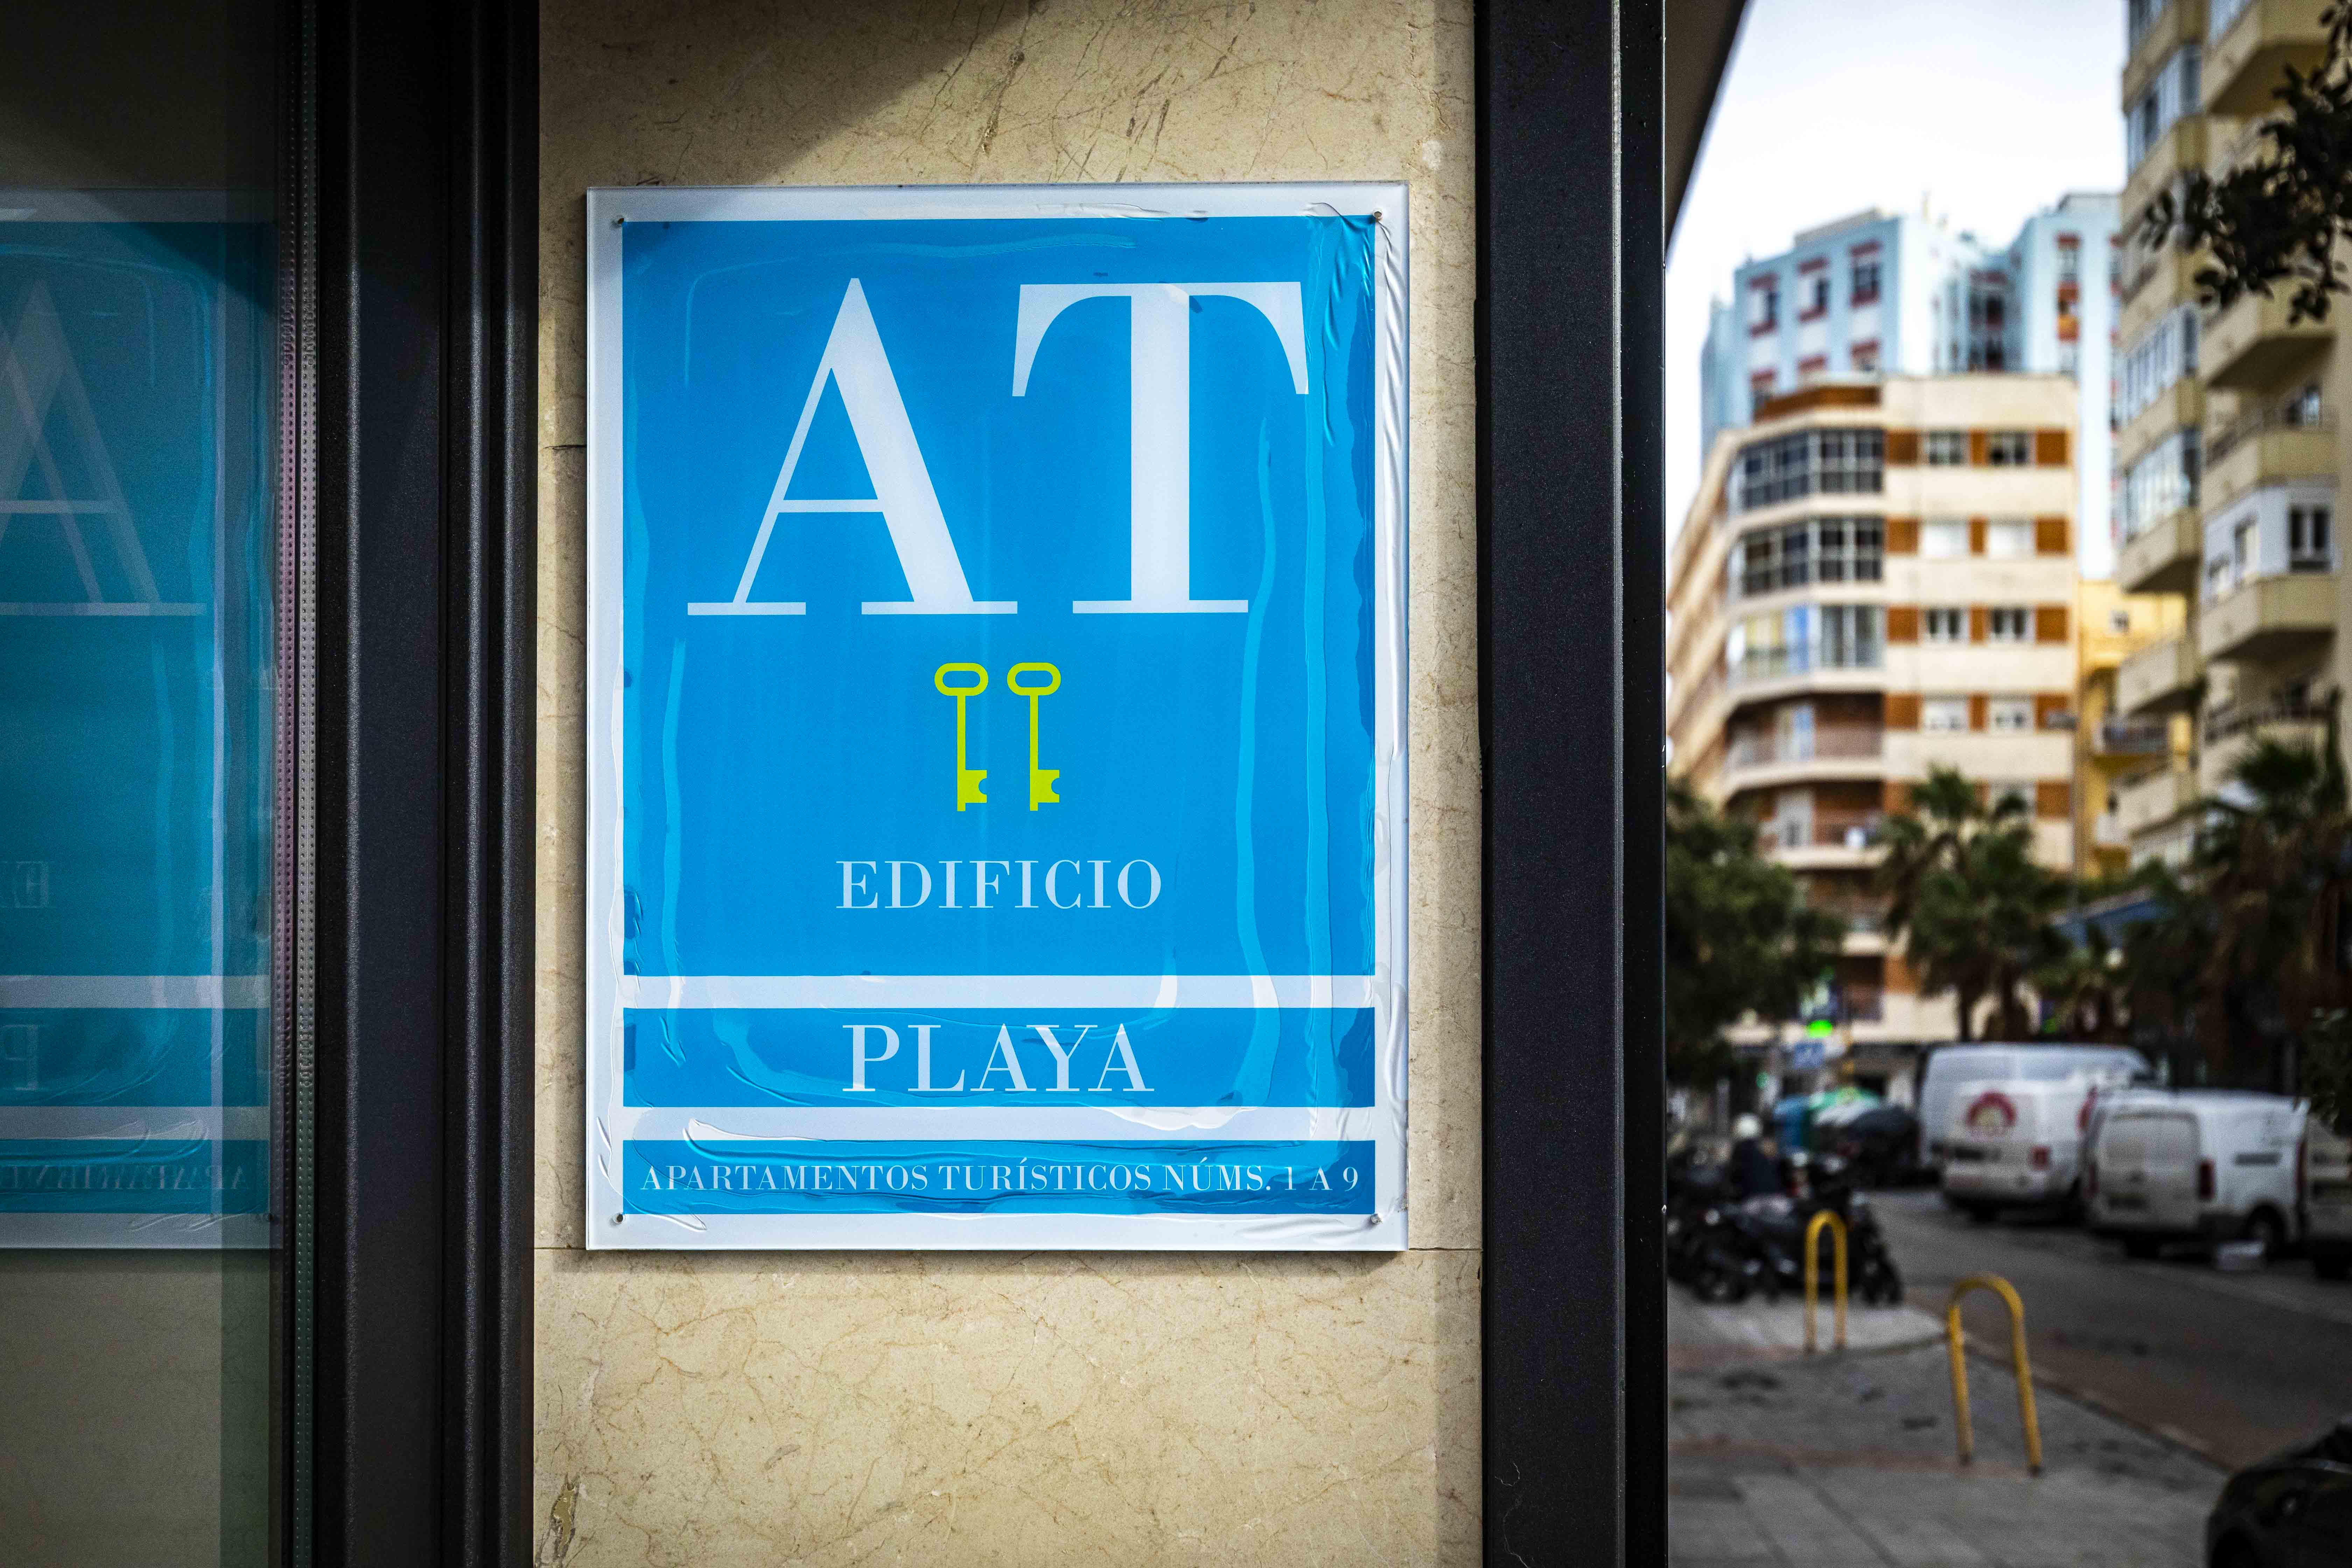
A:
[409,223]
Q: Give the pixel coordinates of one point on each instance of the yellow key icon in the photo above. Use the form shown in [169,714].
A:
[967,779]
[1041,780]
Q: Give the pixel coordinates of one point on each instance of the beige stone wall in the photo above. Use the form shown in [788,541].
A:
[1038,1408]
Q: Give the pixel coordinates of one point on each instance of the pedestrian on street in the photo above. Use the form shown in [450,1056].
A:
[1755,1170]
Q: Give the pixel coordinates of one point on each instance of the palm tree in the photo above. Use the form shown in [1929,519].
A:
[2274,865]
[2084,989]
[1937,854]
[1981,927]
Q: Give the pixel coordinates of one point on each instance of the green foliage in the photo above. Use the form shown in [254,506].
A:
[2278,218]
[2327,1067]
[1739,938]
[1964,892]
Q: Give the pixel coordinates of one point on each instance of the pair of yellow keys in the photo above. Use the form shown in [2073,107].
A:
[1041,780]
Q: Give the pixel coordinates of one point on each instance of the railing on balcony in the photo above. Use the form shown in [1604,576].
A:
[2287,416]
[1838,830]
[1772,663]
[2236,718]
[1861,1003]
[2134,737]
[1766,748]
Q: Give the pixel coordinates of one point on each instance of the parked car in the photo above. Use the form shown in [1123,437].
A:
[2292,1510]
[2200,1165]
[2328,1199]
[1952,1070]
[2018,1141]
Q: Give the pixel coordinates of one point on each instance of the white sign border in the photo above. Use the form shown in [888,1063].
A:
[608,1122]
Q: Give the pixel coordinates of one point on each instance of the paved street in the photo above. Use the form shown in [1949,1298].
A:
[2234,1366]
[1781,1460]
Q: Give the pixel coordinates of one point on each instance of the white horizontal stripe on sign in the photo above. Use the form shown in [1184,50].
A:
[165,1123]
[238,991]
[836,991]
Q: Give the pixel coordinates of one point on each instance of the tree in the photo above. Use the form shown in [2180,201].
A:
[2278,217]
[2083,989]
[1980,926]
[1932,865]
[1739,937]
[2274,866]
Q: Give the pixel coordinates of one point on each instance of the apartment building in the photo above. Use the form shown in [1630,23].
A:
[2111,745]
[1876,293]
[1874,578]
[2228,448]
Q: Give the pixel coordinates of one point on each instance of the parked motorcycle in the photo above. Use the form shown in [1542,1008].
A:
[1729,1250]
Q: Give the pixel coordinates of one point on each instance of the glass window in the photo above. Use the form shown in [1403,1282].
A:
[1831,462]
[139,351]
[2009,538]
[2308,546]
[2163,481]
[1941,538]
[2009,715]
[1865,280]
[1944,622]
[1944,715]
[2009,448]
[2008,623]
[1948,448]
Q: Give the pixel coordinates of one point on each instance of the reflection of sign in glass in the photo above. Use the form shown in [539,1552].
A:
[135,629]
[896,497]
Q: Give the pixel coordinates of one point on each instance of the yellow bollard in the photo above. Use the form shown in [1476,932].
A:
[1954,1338]
[1813,1272]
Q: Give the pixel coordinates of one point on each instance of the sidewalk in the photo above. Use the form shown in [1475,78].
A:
[1777,1458]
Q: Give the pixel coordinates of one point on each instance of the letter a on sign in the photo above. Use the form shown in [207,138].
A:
[854,362]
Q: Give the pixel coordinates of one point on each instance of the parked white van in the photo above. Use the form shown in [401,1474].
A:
[2328,1199]
[2017,1142]
[1954,1071]
[2204,1165]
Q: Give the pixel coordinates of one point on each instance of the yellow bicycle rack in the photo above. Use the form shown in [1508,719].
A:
[1955,1337]
[1813,1273]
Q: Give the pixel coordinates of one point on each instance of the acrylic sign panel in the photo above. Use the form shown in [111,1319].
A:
[995,725]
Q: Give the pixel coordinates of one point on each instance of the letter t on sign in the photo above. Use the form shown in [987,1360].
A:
[1160,354]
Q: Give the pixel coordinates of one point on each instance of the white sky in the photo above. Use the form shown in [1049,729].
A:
[1991,110]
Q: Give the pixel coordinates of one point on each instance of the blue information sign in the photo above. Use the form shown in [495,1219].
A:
[995,723]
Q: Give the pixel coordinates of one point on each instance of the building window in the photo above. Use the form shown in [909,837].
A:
[2009,538]
[1943,538]
[1764,307]
[2174,91]
[1945,624]
[1944,715]
[1817,295]
[1865,281]
[1833,462]
[2010,715]
[2015,794]
[1948,448]
[1823,549]
[2160,356]
[2009,448]
[1865,358]
[1806,636]
[2308,546]
[1851,637]
[2008,623]
[2162,482]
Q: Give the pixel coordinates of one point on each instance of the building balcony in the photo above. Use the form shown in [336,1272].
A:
[2177,407]
[2182,22]
[2160,678]
[2252,345]
[2230,732]
[2178,151]
[2269,617]
[2131,738]
[1829,842]
[2154,798]
[2165,557]
[2157,284]
[2107,832]
[1831,751]
[1772,672]
[2249,46]
[2271,446]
